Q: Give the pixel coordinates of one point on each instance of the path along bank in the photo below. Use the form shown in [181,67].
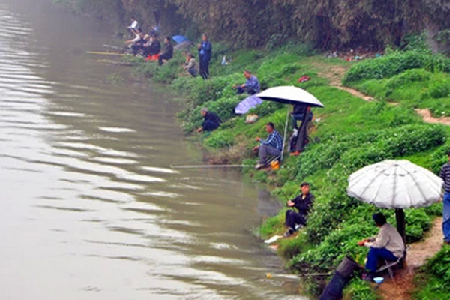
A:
[348,133]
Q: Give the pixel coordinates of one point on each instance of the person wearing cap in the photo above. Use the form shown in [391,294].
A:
[211,122]
[445,175]
[387,245]
[303,204]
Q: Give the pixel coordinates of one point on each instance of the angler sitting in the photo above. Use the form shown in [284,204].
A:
[251,86]
[272,146]
[303,204]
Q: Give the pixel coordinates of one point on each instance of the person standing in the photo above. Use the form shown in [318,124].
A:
[445,175]
[204,55]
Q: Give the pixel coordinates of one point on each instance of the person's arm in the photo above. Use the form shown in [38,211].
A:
[251,83]
[207,47]
[292,202]
[442,173]
[190,64]
[268,140]
[380,241]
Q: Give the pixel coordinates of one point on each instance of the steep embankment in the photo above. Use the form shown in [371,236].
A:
[347,134]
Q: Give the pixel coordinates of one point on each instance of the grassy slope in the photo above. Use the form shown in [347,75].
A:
[351,133]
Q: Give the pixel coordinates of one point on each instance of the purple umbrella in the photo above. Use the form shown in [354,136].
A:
[248,103]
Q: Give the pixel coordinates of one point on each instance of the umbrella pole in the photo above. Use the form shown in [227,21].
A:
[284,136]
[401,228]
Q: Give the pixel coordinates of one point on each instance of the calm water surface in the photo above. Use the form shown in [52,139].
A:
[90,208]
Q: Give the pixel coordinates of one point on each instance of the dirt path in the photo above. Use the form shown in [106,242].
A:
[401,286]
[335,75]
[428,118]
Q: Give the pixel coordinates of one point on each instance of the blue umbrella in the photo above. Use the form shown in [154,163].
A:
[179,39]
[248,103]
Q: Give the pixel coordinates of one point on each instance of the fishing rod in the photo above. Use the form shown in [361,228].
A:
[206,166]
[104,53]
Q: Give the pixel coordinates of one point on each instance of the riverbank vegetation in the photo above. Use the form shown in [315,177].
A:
[348,133]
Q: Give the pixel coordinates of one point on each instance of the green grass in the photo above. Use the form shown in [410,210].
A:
[416,88]
[433,278]
[348,133]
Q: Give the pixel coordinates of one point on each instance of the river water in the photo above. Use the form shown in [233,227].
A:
[90,208]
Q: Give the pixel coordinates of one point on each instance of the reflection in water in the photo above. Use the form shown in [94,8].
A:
[90,207]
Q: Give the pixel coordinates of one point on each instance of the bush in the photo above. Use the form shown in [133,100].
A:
[395,63]
[439,87]
[433,278]
[220,139]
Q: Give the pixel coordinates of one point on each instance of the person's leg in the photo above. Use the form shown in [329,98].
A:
[375,254]
[240,90]
[302,135]
[265,151]
[446,217]
[295,119]
[193,72]
[210,126]
[206,69]
[263,154]
[293,218]
[202,68]
[160,59]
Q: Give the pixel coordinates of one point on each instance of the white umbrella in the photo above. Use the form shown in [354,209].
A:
[290,95]
[395,184]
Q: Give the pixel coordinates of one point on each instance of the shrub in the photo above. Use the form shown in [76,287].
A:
[395,63]
[433,278]
[439,87]
[220,139]
[407,77]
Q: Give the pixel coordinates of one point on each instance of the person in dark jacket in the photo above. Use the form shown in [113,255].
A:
[298,112]
[303,204]
[167,53]
[445,175]
[153,46]
[204,55]
[211,122]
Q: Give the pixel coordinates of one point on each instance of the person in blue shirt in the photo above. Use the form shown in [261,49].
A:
[272,146]
[445,175]
[251,86]
[204,56]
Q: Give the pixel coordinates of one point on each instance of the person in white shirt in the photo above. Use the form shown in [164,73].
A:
[139,36]
[387,245]
[134,24]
